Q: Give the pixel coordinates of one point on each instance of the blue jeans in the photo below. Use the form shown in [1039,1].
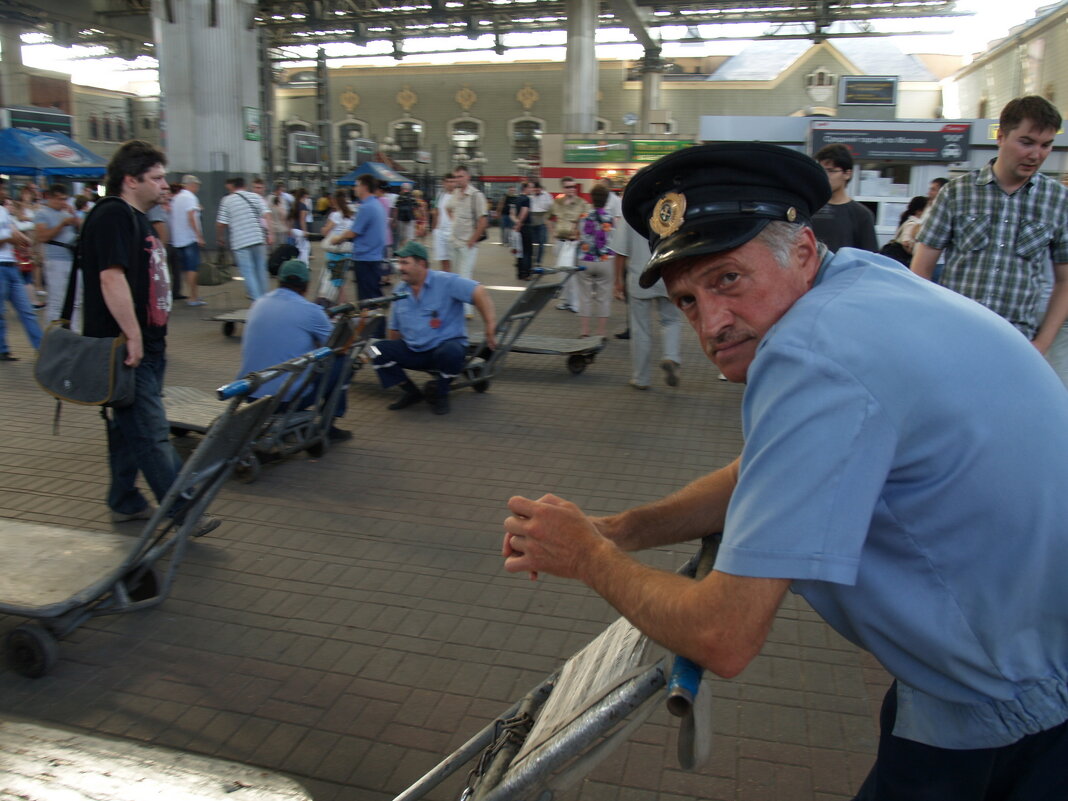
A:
[189,257]
[537,235]
[13,289]
[251,262]
[139,441]
[394,355]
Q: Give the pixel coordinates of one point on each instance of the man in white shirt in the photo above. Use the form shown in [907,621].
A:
[187,236]
[244,221]
[11,286]
[467,207]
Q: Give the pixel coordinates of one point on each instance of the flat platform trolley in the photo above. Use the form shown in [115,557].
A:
[484,364]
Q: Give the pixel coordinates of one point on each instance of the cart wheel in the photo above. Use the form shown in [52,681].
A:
[247,469]
[319,448]
[178,431]
[480,386]
[31,650]
[576,364]
[141,584]
[229,328]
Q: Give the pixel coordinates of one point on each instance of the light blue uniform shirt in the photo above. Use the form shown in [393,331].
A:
[441,299]
[281,326]
[906,464]
[370,226]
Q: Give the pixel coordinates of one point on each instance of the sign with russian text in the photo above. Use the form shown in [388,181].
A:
[649,150]
[867,90]
[943,142]
[596,150]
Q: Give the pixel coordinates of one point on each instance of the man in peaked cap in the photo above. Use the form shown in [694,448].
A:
[907,492]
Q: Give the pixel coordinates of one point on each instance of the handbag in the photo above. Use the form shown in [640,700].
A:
[79,369]
[895,250]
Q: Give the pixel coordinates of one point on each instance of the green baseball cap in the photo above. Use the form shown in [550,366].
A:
[294,268]
[414,250]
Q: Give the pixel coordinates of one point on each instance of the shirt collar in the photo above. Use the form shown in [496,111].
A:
[986,176]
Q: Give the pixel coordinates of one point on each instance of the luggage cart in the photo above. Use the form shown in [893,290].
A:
[60,577]
[44,763]
[230,320]
[560,730]
[291,427]
[484,364]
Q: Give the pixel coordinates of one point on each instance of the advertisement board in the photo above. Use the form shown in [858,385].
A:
[943,142]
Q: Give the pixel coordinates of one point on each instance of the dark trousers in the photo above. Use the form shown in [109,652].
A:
[523,263]
[1034,768]
[139,442]
[367,276]
[394,356]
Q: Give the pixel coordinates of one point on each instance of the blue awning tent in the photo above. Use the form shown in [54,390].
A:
[378,170]
[25,152]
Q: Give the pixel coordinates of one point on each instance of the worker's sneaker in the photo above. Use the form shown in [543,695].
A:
[439,404]
[142,514]
[205,525]
[406,400]
[634,382]
[671,370]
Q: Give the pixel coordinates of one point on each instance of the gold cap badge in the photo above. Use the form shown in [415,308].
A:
[668,214]
[791,214]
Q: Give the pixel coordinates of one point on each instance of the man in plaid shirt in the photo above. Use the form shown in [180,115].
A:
[1001,225]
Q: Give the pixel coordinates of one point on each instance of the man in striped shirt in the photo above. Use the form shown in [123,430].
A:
[243,220]
[1002,225]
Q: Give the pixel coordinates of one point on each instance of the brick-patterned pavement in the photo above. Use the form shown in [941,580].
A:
[350,622]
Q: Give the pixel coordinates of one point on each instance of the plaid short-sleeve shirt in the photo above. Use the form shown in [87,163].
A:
[997,246]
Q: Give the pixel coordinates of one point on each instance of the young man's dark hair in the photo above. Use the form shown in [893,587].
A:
[460,168]
[56,189]
[368,181]
[599,195]
[838,155]
[237,182]
[448,176]
[133,158]
[1040,111]
[940,181]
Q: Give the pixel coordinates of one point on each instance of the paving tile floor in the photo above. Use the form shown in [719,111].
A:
[350,622]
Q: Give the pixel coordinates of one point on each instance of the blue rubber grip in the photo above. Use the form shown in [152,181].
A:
[320,353]
[682,686]
[240,387]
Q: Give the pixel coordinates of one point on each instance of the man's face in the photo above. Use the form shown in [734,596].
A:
[933,190]
[732,299]
[412,270]
[570,189]
[836,175]
[57,202]
[461,178]
[146,189]
[1022,150]
[259,188]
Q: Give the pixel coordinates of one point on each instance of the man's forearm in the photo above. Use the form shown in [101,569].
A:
[117,298]
[698,509]
[924,259]
[1056,310]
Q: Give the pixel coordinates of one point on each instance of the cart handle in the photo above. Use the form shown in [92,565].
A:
[369,303]
[253,381]
[685,677]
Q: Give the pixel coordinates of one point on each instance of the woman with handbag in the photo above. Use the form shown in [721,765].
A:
[900,247]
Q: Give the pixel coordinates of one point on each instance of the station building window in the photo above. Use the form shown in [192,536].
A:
[525,133]
[465,136]
[408,137]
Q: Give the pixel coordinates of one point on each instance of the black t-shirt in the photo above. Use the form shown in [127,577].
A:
[115,233]
[845,225]
[521,202]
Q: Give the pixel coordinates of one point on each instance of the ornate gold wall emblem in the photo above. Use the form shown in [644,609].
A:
[466,97]
[406,98]
[349,100]
[527,96]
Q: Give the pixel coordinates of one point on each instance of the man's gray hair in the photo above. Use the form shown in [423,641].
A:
[781,237]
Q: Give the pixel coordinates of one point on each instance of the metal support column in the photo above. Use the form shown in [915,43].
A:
[652,69]
[580,71]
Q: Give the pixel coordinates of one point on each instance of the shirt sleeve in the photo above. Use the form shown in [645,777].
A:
[480,205]
[817,456]
[223,216]
[937,228]
[866,238]
[321,327]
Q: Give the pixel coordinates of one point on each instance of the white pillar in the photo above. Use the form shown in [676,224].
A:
[14,84]
[652,72]
[580,70]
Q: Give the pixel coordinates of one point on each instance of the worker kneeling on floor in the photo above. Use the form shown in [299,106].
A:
[427,329]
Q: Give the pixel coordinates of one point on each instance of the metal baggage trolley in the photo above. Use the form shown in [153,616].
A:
[59,577]
[484,364]
[560,730]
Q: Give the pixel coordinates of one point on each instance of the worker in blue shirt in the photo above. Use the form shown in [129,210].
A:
[369,231]
[282,325]
[427,328]
[913,495]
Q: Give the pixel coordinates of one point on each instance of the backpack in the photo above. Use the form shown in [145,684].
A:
[405,207]
[281,254]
